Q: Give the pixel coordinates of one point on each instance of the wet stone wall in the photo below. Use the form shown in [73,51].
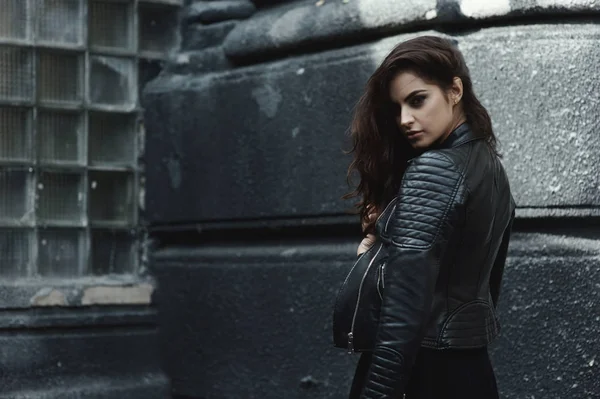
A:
[245,139]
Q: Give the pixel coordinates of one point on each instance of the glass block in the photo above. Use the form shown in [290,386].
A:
[111,25]
[59,77]
[15,252]
[16,205]
[59,137]
[14,20]
[16,73]
[15,134]
[113,252]
[113,81]
[60,198]
[59,21]
[112,139]
[111,196]
[157,27]
[60,252]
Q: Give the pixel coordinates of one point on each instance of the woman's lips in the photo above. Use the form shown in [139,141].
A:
[413,135]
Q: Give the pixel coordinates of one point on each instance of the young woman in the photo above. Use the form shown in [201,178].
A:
[420,134]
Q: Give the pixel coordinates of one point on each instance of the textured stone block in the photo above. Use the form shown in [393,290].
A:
[91,353]
[537,84]
[279,30]
[256,143]
[550,316]
[267,3]
[196,62]
[149,386]
[501,8]
[267,141]
[208,12]
[258,315]
[199,37]
[278,298]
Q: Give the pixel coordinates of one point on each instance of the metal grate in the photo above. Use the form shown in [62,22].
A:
[59,22]
[59,137]
[59,77]
[14,19]
[16,73]
[15,134]
[111,25]
[112,139]
[60,199]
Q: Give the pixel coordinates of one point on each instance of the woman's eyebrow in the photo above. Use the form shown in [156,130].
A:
[414,93]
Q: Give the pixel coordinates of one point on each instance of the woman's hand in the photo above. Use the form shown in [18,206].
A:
[372,217]
[373,214]
[369,239]
[365,244]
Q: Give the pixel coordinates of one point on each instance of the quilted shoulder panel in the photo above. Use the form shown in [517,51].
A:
[427,196]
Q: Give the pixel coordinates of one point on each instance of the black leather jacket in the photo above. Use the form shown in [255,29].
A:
[448,232]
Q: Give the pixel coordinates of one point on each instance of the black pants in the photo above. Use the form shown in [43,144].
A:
[442,374]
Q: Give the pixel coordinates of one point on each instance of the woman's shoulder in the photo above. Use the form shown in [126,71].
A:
[438,161]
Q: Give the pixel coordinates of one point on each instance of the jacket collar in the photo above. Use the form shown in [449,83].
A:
[461,135]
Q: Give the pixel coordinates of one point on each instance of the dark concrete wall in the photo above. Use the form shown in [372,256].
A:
[245,139]
[101,352]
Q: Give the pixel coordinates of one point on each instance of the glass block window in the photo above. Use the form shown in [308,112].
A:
[70,131]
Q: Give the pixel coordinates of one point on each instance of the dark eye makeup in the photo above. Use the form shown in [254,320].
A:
[414,101]
[417,101]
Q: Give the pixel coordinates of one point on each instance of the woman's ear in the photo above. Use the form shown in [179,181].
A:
[456,91]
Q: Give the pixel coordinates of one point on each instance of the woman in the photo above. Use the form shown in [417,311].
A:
[420,134]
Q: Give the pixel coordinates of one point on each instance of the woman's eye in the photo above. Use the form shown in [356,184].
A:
[417,101]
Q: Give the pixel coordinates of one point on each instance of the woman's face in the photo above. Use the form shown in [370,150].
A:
[425,114]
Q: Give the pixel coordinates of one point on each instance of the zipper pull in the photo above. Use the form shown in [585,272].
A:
[350,343]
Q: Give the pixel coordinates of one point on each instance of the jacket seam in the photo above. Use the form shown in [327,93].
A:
[469,160]
[468,195]
[455,312]
[452,269]
[460,171]
[487,256]
[440,347]
[392,351]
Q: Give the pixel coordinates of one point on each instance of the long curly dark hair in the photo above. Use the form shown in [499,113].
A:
[381,152]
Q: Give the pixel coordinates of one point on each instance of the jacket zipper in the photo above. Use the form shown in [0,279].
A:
[381,279]
[385,209]
[388,221]
[362,281]
[351,333]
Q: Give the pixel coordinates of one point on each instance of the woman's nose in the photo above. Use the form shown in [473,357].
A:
[406,118]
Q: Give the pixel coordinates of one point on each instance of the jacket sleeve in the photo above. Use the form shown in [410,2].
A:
[499,262]
[430,208]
